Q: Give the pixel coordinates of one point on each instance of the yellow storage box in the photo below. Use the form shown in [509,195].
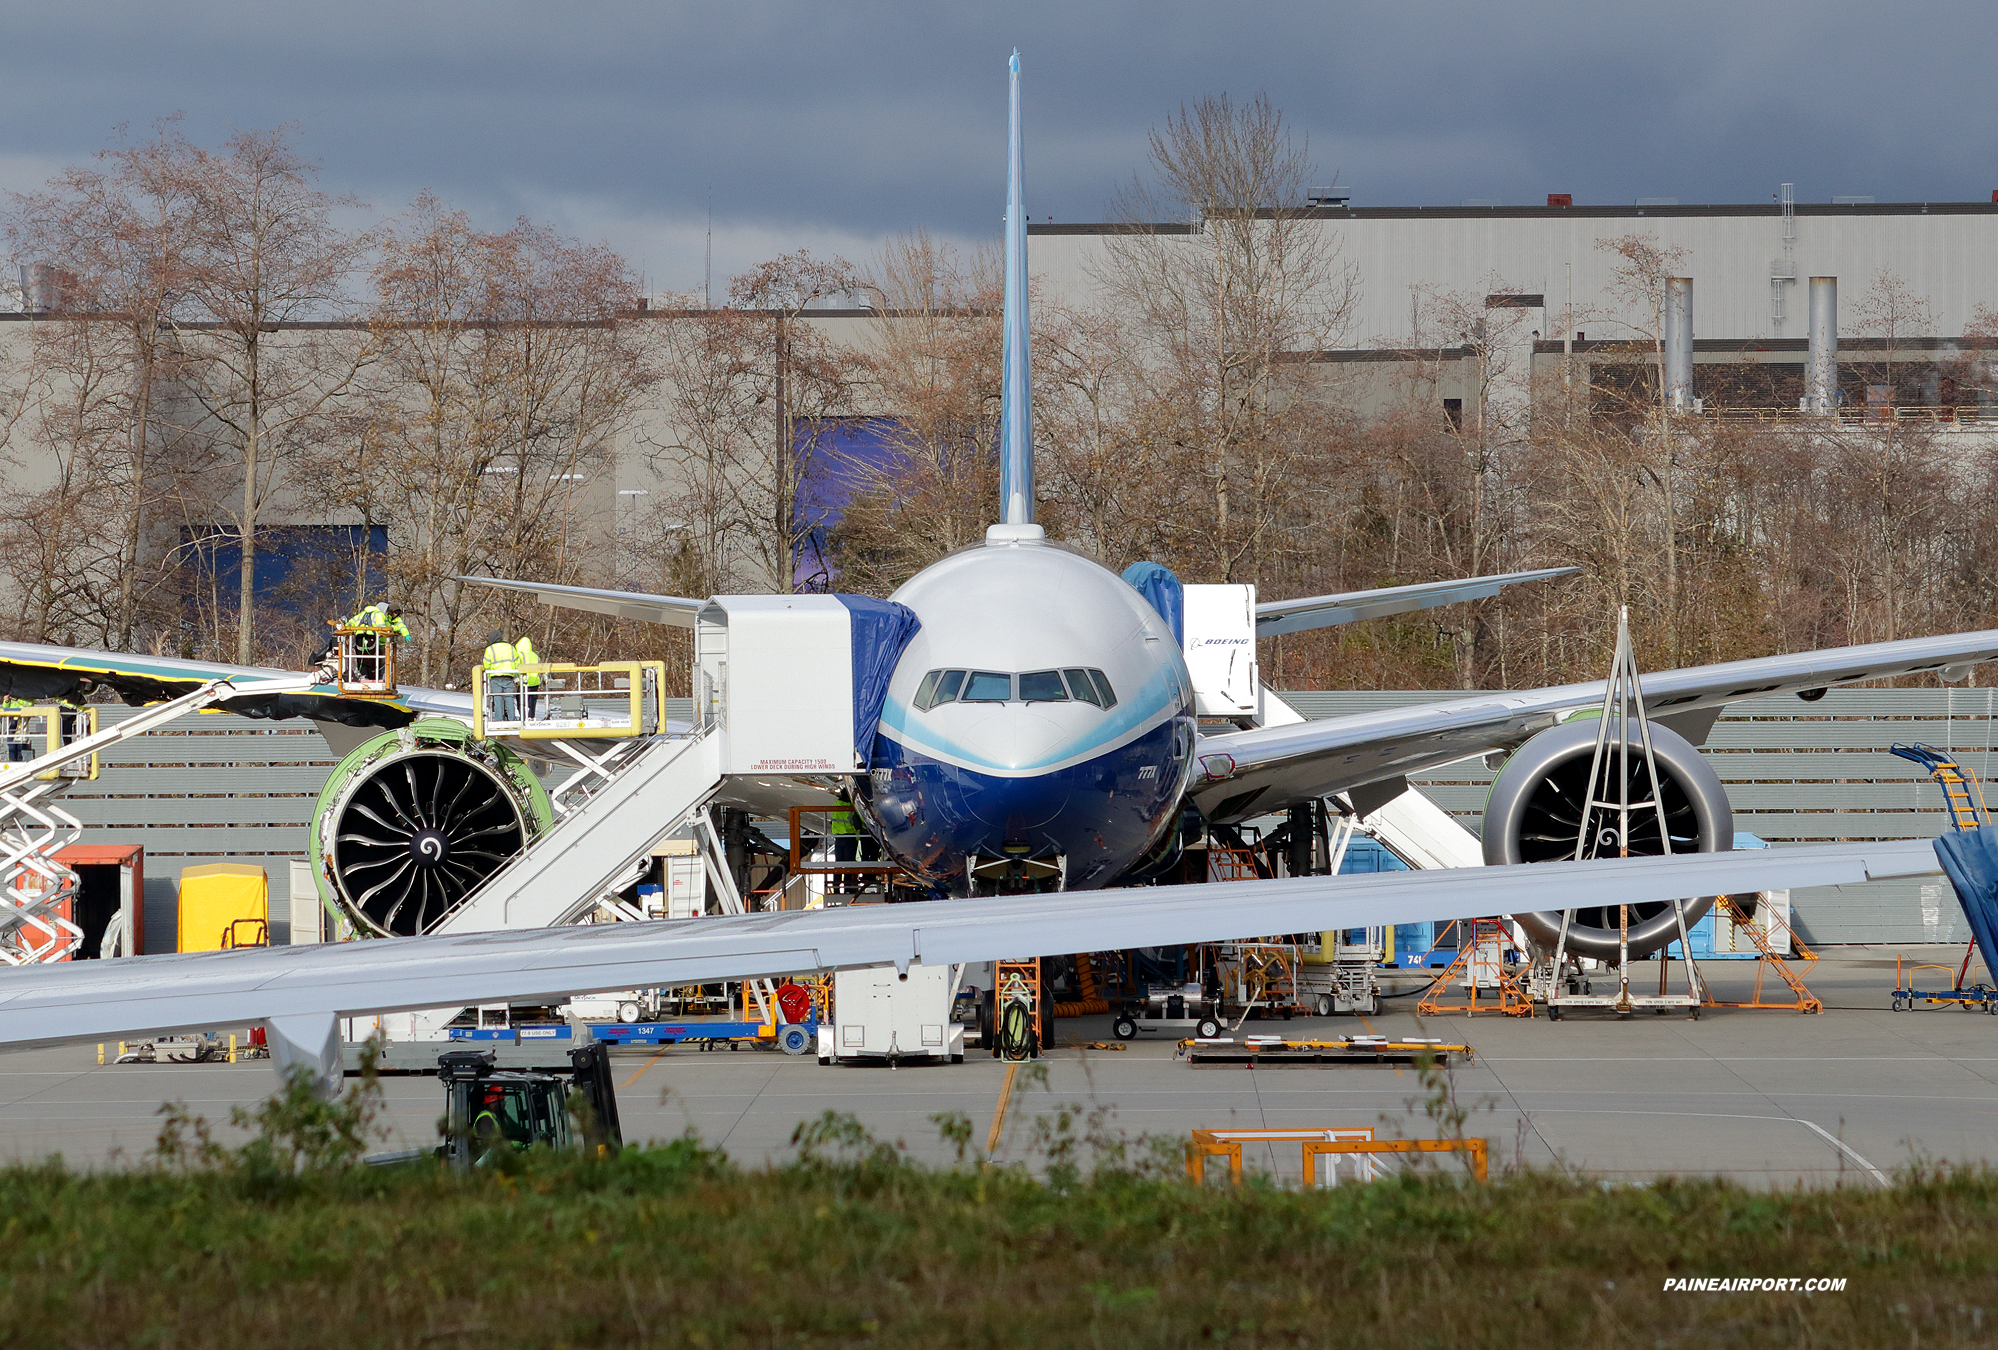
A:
[224,905]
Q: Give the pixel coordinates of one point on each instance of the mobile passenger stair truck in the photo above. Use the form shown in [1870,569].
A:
[1969,854]
[788,690]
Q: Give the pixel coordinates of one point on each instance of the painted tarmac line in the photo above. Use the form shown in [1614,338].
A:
[1828,1136]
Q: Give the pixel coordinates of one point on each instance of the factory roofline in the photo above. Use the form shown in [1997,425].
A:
[1768,209]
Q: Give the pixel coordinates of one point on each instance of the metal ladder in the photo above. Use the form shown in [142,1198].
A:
[1963,795]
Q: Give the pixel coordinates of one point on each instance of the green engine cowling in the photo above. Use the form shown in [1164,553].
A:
[414,820]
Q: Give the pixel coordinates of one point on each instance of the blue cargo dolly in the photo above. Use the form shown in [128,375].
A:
[529,1031]
[794,1038]
[1978,997]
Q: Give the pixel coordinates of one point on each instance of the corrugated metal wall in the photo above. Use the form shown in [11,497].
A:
[209,787]
[213,786]
[1800,773]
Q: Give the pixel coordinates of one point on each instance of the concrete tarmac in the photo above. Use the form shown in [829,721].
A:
[1766,1098]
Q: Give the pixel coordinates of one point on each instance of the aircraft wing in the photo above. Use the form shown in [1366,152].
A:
[1280,616]
[1324,611]
[300,991]
[671,609]
[33,671]
[1245,773]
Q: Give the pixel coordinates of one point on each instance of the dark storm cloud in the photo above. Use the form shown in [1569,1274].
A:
[814,122]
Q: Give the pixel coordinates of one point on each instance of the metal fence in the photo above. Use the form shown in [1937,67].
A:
[209,787]
[1799,773]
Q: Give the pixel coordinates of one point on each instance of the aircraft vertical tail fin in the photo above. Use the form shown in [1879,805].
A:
[1016,415]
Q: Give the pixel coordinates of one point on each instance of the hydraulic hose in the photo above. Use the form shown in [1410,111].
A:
[1016,1031]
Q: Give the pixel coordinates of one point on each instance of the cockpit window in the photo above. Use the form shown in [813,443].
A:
[1103,688]
[1036,686]
[987,686]
[939,686]
[1043,686]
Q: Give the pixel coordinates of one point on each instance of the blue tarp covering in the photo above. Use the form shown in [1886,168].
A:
[1971,859]
[1157,584]
[881,629]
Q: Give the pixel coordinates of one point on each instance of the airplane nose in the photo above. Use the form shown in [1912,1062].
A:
[1035,739]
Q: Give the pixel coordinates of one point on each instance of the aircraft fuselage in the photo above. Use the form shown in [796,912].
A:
[1040,723]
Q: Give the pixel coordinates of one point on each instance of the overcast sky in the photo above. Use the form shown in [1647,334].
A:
[834,126]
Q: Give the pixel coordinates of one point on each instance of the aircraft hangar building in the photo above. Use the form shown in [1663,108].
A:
[1546,279]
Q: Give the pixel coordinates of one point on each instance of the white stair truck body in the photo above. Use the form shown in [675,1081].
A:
[774,679]
[1218,639]
[879,1015]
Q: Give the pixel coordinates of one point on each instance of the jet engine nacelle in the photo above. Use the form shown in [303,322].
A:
[414,820]
[1535,811]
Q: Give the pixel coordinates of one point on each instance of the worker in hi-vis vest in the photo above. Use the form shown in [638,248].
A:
[370,663]
[20,740]
[501,664]
[530,680]
[851,843]
[382,614]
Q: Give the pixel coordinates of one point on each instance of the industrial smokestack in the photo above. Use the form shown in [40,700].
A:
[1821,372]
[46,288]
[1679,344]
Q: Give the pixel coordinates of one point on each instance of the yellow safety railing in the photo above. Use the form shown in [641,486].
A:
[46,728]
[812,835]
[573,702]
[1315,1143]
[364,661]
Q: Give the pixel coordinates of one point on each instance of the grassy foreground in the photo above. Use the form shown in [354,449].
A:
[283,1242]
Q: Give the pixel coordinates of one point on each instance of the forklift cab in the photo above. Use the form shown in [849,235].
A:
[487,1109]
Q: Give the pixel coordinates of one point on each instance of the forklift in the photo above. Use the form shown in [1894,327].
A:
[487,1109]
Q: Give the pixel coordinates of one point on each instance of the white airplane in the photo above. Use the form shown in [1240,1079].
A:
[1040,723]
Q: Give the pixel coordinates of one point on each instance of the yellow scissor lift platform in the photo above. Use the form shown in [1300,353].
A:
[609,700]
[45,728]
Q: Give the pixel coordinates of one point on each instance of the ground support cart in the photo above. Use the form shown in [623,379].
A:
[1979,997]
[1178,1008]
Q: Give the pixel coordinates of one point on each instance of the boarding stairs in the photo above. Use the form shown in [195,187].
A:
[591,851]
[1963,798]
[1420,833]
[36,888]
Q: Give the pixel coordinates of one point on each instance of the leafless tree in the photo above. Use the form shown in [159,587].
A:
[509,366]
[1218,275]
[1636,289]
[264,254]
[755,391]
[114,238]
[923,481]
